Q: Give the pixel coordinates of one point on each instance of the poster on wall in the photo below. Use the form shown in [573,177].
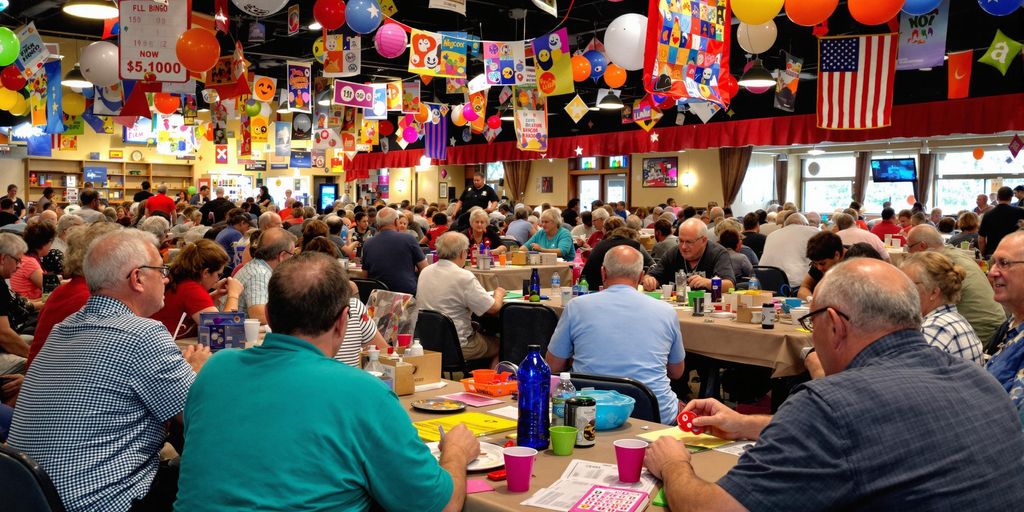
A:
[383,186]
[662,172]
[96,175]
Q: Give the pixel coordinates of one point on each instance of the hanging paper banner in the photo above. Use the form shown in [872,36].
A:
[189,110]
[341,55]
[959,74]
[435,141]
[351,120]
[1001,53]
[505,63]
[220,154]
[108,101]
[458,6]
[335,114]
[576,109]
[264,88]
[245,138]
[394,95]
[553,62]
[326,138]
[258,129]
[33,52]
[388,8]
[302,126]
[37,88]
[410,97]
[219,120]
[173,137]
[220,16]
[641,110]
[353,94]
[548,6]
[220,73]
[299,95]
[379,109]
[368,132]
[74,125]
[705,110]
[456,85]
[687,49]
[54,115]
[786,83]
[149,35]
[478,100]
[531,119]
[453,54]
[293,19]
[424,53]
[336,162]
[282,138]
[923,39]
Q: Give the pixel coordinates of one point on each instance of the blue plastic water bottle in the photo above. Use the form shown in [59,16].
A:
[755,283]
[716,289]
[534,394]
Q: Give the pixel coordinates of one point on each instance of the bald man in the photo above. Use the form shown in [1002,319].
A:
[696,254]
[879,432]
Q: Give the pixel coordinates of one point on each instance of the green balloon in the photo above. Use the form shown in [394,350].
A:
[192,190]
[252,108]
[9,46]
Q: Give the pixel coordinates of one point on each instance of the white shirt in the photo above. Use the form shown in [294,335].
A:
[769,228]
[786,248]
[454,291]
[855,235]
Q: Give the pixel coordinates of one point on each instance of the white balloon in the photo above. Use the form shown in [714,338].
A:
[625,39]
[99,63]
[757,39]
[265,110]
[260,8]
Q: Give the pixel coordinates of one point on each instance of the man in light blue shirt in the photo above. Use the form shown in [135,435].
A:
[622,333]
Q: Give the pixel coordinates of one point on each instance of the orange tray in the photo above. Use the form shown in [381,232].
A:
[496,389]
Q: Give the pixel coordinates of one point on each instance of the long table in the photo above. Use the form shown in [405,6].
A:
[709,465]
[509,277]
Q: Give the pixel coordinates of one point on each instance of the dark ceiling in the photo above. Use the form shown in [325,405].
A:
[969,28]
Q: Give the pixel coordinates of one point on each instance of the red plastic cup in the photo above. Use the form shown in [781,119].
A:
[629,457]
[519,467]
[404,340]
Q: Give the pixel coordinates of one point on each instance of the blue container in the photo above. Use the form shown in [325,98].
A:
[534,395]
[613,408]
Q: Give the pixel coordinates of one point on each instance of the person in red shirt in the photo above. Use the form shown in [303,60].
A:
[161,202]
[195,270]
[440,227]
[69,297]
[888,226]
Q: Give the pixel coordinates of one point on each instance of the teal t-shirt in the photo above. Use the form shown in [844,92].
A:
[561,241]
[283,427]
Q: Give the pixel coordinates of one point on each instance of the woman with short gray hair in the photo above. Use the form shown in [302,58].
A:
[552,237]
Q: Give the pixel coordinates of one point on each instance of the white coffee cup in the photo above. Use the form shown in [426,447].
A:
[888,239]
[252,330]
[666,291]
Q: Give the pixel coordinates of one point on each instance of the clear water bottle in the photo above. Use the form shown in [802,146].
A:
[584,287]
[534,398]
[556,283]
[755,283]
[563,391]
[373,364]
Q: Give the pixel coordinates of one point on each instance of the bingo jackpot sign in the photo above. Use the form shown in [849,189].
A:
[149,33]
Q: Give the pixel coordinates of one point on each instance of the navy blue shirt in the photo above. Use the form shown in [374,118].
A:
[391,257]
[905,426]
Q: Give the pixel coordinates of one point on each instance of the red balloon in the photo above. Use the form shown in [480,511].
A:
[12,79]
[166,103]
[494,122]
[330,13]
[197,50]
[385,128]
[731,85]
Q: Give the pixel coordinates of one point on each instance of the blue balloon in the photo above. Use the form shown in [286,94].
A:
[598,63]
[363,16]
[919,7]
[999,7]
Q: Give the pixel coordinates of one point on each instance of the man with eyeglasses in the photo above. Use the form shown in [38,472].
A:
[880,432]
[1006,273]
[94,406]
[695,254]
[13,349]
[275,245]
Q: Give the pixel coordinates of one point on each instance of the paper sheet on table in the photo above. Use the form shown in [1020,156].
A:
[472,400]
[578,478]
[513,295]
[737,448]
[701,441]
[509,411]
[479,424]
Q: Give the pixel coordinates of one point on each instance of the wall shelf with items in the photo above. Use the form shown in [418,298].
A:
[116,181]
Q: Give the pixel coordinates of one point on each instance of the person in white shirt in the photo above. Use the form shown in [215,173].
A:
[846,228]
[448,288]
[786,248]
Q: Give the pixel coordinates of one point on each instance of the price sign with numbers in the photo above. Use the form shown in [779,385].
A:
[149,33]
[352,94]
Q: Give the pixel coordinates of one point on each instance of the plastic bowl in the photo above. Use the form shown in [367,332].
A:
[613,408]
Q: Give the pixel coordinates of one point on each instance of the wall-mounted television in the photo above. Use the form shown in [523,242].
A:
[885,170]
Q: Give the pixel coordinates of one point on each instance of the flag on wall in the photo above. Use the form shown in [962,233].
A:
[855,81]
[959,70]
[436,139]
[54,97]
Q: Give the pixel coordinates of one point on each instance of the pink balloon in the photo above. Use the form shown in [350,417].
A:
[305,97]
[390,40]
[469,113]
[409,134]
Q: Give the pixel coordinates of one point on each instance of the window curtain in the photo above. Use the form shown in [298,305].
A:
[733,164]
[925,171]
[781,177]
[861,175]
[517,177]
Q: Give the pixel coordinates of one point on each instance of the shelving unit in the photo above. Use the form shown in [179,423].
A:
[124,179]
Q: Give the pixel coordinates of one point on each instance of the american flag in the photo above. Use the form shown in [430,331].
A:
[855,81]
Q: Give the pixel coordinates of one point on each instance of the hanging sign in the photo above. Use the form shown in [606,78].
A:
[505,63]
[298,78]
[552,59]
[923,39]
[531,119]
[33,52]
[149,35]
[353,94]
[687,49]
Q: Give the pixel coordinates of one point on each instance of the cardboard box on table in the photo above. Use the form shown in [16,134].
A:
[548,258]
[518,258]
[412,372]
[746,298]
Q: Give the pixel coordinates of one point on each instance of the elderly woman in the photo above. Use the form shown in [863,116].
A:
[968,224]
[159,226]
[63,226]
[195,270]
[617,234]
[552,237]
[600,215]
[939,282]
[28,279]
[480,231]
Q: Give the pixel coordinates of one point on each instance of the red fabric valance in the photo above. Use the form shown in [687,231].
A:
[991,114]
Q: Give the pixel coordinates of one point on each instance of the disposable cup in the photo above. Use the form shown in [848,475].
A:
[563,438]
[519,467]
[629,457]
[252,330]
[566,295]
[666,291]
[484,376]
[404,340]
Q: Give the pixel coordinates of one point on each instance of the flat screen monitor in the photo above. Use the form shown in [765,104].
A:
[893,169]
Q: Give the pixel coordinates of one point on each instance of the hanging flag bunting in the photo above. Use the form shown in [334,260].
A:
[478,101]
[505,63]
[394,95]
[54,116]
[435,142]
[257,33]
[424,53]
[576,108]
[368,132]
[1001,52]
[108,101]
[220,16]
[923,39]
[410,98]
[293,20]
[687,49]
[379,97]
[112,27]
[220,154]
[705,110]
[458,6]
[1016,144]
[299,92]
[219,120]
[453,54]
[353,94]
[245,138]
[855,81]
[37,88]
[786,83]
[552,60]
[340,55]
[388,8]
[959,74]
[548,6]
[264,88]
[531,119]
[282,138]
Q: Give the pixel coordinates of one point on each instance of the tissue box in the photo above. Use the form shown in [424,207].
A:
[412,372]
[222,330]
[744,314]
[519,258]
[548,258]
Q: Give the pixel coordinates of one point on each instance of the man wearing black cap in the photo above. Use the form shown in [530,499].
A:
[1018,193]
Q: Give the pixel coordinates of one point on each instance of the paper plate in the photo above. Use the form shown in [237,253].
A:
[439,405]
[723,314]
[491,457]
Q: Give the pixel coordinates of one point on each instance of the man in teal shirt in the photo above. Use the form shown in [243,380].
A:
[284,426]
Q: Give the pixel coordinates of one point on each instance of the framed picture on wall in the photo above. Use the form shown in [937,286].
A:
[661,172]
[547,184]
[442,189]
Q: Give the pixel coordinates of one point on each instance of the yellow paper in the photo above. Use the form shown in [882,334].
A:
[702,440]
[479,424]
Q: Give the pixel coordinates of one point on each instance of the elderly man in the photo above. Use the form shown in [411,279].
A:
[593,326]
[354,458]
[1001,220]
[666,242]
[976,297]
[215,210]
[830,447]
[695,254]
[983,206]
[1007,278]
[275,246]
[161,202]
[13,349]
[392,257]
[456,292]
[93,408]
[888,226]
[846,228]
[269,220]
[90,211]
[786,248]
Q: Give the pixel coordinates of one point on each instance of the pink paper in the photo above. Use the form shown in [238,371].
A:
[478,485]
[471,399]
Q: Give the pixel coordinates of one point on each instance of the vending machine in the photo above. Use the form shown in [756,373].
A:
[327,194]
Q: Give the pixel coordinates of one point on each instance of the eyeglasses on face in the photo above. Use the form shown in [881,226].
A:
[163,269]
[807,321]
[691,242]
[1003,263]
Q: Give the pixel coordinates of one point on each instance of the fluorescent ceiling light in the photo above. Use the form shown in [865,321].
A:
[757,76]
[815,152]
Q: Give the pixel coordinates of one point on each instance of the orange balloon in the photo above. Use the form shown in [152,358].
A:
[166,103]
[614,76]
[911,200]
[197,49]
[810,12]
[875,12]
[978,153]
[580,68]
[424,114]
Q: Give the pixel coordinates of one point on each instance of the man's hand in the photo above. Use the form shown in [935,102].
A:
[719,420]
[460,445]
[196,356]
[664,451]
[11,385]
[499,292]
[698,283]
[650,283]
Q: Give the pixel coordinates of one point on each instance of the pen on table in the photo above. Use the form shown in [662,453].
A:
[440,430]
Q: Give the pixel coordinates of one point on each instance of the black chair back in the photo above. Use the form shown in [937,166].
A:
[646,407]
[773,279]
[29,489]
[366,286]
[510,243]
[522,325]
[437,332]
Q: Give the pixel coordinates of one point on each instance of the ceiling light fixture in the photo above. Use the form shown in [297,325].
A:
[315,26]
[610,102]
[507,118]
[757,76]
[92,9]
[324,98]
[75,79]
[815,152]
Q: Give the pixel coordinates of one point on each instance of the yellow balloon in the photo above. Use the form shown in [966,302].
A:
[20,107]
[318,49]
[7,98]
[73,103]
[756,12]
